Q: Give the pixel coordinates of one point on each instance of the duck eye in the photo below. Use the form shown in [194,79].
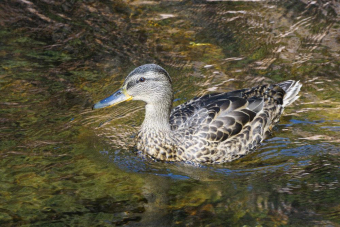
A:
[142,79]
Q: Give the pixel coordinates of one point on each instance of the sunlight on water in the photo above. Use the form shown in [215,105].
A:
[62,163]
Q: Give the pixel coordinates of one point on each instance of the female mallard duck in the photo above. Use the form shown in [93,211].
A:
[214,128]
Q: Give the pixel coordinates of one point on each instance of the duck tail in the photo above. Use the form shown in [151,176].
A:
[292,89]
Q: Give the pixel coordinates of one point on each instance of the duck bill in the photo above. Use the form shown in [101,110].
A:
[117,97]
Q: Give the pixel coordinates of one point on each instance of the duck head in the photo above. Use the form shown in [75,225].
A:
[149,83]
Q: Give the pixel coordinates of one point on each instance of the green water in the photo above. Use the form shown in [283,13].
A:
[63,164]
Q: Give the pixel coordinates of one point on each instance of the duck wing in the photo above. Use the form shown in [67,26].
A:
[217,117]
[194,111]
[228,117]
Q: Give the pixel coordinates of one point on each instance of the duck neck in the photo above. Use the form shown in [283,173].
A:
[157,117]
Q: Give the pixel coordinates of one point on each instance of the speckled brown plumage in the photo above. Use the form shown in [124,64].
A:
[214,128]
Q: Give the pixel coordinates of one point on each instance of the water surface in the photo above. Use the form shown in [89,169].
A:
[62,164]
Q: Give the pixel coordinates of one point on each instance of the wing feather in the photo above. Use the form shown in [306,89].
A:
[216,117]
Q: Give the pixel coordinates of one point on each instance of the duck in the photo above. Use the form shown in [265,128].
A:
[211,129]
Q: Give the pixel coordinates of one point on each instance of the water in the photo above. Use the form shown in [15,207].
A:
[62,164]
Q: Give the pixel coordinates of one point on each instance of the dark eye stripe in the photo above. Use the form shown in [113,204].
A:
[130,84]
[134,82]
